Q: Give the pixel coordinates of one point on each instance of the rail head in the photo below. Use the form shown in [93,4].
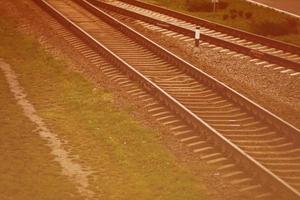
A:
[267,177]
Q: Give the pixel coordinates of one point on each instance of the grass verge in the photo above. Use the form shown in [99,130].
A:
[27,169]
[127,158]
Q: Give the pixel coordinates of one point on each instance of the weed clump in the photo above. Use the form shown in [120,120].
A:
[233,16]
[225,17]
[248,15]
[276,27]
[241,13]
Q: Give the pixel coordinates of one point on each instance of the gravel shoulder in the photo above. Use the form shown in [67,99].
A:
[275,91]
[28,170]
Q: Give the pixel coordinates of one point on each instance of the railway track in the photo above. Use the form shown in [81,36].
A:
[201,111]
[264,51]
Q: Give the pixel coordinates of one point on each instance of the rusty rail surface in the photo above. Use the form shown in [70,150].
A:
[249,164]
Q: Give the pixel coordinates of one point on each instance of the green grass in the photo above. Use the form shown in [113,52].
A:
[128,159]
[242,15]
[27,169]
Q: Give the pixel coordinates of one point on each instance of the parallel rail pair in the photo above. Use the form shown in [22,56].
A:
[165,96]
[268,45]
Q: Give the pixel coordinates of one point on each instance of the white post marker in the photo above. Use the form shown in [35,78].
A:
[214,4]
[197,36]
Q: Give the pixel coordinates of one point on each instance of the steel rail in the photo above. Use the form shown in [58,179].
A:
[241,158]
[213,40]
[263,114]
[219,27]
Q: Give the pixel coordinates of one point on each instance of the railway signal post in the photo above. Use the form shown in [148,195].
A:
[197,36]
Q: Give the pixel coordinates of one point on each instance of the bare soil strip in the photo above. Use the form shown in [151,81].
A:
[69,168]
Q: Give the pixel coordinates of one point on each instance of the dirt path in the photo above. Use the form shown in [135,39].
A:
[69,168]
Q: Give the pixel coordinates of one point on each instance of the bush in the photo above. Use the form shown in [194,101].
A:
[248,15]
[204,5]
[241,13]
[232,11]
[225,17]
[233,16]
[276,28]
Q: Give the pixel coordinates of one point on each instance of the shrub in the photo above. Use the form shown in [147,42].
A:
[248,15]
[276,28]
[197,5]
[241,13]
[233,16]
[222,5]
[225,17]
[232,11]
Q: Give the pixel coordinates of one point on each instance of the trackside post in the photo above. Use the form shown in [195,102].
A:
[197,36]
